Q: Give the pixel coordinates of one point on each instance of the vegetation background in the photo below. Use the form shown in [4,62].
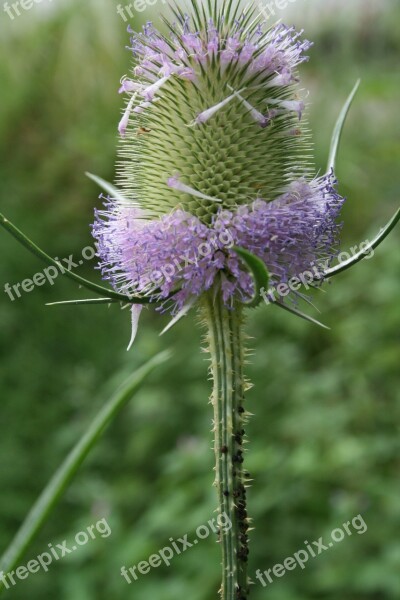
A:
[325,442]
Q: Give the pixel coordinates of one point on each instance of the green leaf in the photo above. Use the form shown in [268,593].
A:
[383,234]
[259,272]
[94,287]
[337,133]
[111,190]
[62,478]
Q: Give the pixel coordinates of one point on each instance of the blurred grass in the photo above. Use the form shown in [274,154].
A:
[325,440]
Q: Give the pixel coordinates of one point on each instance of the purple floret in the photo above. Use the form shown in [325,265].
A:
[177,254]
[273,56]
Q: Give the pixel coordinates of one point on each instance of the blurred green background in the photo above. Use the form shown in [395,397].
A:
[325,441]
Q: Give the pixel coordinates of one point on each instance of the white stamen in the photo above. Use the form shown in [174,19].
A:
[136,311]
[210,112]
[294,106]
[123,124]
[142,107]
[283,79]
[289,105]
[256,114]
[176,184]
[151,91]
[127,85]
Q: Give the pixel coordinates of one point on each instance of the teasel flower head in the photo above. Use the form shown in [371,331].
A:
[214,155]
[217,195]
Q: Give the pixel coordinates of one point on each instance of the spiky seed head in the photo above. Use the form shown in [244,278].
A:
[220,104]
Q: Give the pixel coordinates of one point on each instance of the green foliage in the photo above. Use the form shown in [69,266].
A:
[325,439]
[60,481]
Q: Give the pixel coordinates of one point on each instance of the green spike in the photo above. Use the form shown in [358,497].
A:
[300,314]
[109,188]
[337,133]
[85,302]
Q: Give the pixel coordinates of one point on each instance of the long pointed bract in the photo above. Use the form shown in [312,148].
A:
[337,133]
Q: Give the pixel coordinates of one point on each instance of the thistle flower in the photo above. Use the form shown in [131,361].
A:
[212,144]
[180,252]
[214,163]
[219,196]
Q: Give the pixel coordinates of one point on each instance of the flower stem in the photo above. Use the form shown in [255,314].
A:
[225,337]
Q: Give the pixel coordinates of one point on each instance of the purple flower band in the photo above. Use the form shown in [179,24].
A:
[178,253]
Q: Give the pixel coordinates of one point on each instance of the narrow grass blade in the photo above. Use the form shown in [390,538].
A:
[259,272]
[62,478]
[337,133]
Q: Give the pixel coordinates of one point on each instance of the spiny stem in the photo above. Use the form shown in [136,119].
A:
[225,338]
